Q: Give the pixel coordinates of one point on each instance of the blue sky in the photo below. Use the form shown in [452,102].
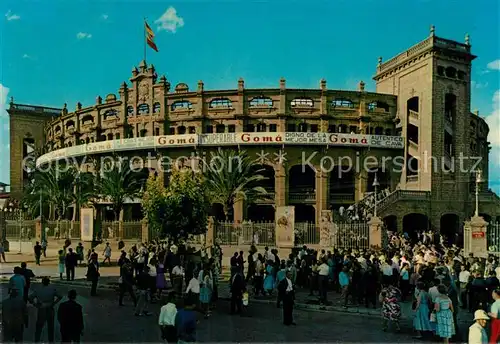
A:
[56,52]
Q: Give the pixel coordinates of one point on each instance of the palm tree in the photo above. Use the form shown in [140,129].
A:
[54,186]
[120,183]
[84,192]
[231,177]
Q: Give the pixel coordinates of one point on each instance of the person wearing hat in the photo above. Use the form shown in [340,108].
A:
[477,333]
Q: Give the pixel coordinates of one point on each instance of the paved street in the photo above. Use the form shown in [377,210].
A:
[106,322]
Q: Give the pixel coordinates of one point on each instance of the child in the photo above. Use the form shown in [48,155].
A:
[61,264]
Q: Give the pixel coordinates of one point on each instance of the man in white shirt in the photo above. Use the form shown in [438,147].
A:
[463,279]
[477,333]
[177,279]
[323,271]
[166,320]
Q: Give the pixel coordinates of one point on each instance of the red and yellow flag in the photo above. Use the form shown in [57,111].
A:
[150,37]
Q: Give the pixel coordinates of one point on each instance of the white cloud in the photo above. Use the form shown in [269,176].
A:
[83,35]
[4,92]
[11,16]
[26,56]
[169,21]
[104,16]
[494,65]
[493,121]
[478,85]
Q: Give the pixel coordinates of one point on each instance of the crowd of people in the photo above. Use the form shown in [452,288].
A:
[436,278]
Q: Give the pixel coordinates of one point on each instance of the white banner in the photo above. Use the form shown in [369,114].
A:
[226,139]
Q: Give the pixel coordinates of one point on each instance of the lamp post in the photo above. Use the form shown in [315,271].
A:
[375,185]
[478,181]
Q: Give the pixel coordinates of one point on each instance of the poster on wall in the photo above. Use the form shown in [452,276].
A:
[285,224]
[326,229]
[87,224]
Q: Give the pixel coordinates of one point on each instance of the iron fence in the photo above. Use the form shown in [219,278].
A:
[306,233]
[351,235]
[64,229]
[493,238]
[246,233]
[20,229]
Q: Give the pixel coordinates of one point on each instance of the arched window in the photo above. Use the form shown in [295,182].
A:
[342,103]
[130,110]
[87,119]
[70,124]
[156,107]
[143,109]
[70,144]
[110,113]
[306,102]
[110,136]
[181,105]
[342,128]
[223,103]
[373,106]
[261,127]
[261,102]
[332,128]
[181,130]
[450,106]
[451,72]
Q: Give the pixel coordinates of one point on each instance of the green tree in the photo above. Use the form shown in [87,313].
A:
[231,177]
[153,201]
[119,182]
[185,208]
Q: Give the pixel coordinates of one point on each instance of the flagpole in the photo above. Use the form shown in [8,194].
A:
[145,39]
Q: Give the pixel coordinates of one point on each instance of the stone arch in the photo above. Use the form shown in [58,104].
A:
[305,213]
[261,212]
[391,223]
[449,227]
[302,177]
[413,223]
[267,171]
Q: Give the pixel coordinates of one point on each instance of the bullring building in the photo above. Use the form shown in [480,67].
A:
[320,148]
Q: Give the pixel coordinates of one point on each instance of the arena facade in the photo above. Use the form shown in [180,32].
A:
[321,149]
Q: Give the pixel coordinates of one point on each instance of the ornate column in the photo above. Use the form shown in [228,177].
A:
[280,185]
[361,180]
[321,193]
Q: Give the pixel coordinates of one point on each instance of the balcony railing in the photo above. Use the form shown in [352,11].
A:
[342,197]
[295,196]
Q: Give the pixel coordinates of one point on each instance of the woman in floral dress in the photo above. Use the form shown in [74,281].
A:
[445,327]
[391,310]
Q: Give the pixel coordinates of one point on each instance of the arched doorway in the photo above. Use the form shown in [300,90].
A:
[217,211]
[260,213]
[342,186]
[305,213]
[301,184]
[449,227]
[415,223]
[268,173]
[391,223]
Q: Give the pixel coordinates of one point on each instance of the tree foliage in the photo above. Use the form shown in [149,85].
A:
[119,182]
[231,177]
[179,210]
[153,201]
